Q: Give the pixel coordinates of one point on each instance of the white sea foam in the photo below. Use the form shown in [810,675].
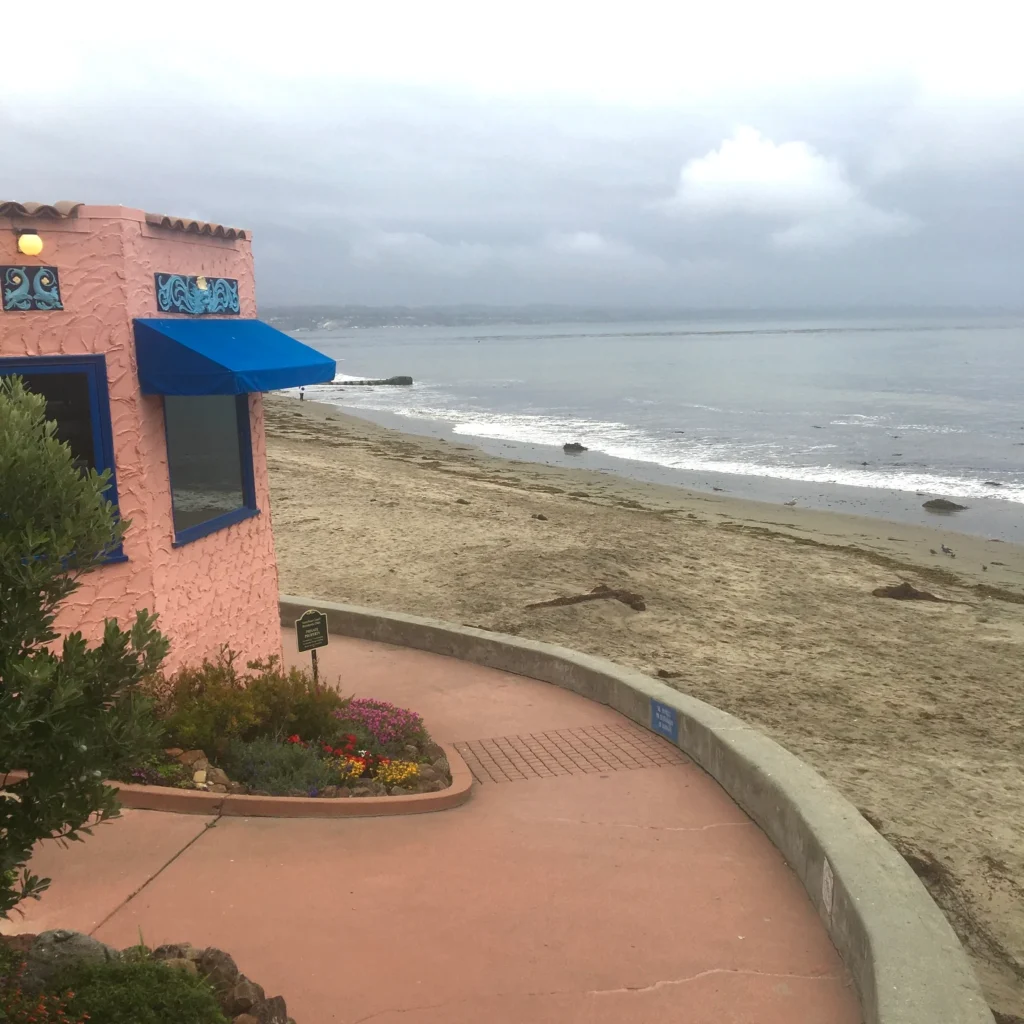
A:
[729,456]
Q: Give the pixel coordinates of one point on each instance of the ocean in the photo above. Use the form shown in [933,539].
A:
[872,416]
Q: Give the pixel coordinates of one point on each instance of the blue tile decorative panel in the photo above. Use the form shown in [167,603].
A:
[24,288]
[179,293]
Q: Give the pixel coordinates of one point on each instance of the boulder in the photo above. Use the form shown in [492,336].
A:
[214,788]
[53,951]
[183,964]
[573,448]
[943,505]
[219,968]
[237,788]
[369,787]
[191,756]
[217,777]
[174,951]
[426,773]
[271,1011]
[242,997]
[433,751]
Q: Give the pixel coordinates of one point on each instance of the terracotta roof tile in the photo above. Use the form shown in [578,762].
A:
[60,210]
[195,227]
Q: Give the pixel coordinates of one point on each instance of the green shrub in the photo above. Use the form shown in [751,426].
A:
[207,707]
[292,703]
[140,992]
[69,713]
[155,770]
[280,769]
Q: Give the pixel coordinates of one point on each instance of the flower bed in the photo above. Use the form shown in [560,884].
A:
[267,732]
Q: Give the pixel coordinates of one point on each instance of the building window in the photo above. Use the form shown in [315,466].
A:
[75,389]
[209,455]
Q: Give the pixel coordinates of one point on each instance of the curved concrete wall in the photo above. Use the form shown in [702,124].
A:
[905,959]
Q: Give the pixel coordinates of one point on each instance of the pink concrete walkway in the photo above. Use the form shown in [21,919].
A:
[612,884]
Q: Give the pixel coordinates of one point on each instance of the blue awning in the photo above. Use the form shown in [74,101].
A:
[223,357]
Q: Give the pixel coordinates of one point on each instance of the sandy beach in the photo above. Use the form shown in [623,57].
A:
[913,709]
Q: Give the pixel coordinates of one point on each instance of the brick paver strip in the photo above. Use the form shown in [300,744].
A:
[585,750]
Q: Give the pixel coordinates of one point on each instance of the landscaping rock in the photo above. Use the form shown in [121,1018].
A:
[237,788]
[442,767]
[217,789]
[174,951]
[427,773]
[199,776]
[271,1011]
[329,792]
[201,765]
[244,995]
[245,1018]
[397,791]
[369,787]
[53,951]
[217,777]
[219,968]
[433,751]
[191,756]
[411,750]
[174,752]
[182,964]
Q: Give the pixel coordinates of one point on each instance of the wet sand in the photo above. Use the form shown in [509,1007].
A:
[914,709]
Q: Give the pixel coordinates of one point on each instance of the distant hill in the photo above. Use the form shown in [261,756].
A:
[307,318]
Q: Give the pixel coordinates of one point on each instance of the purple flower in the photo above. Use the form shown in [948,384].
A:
[385,722]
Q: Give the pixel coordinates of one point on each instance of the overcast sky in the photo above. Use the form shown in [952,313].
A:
[625,153]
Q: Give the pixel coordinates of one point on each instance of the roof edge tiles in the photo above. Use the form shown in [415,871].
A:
[60,210]
[195,227]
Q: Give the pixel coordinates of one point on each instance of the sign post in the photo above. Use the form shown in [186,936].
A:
[311,633]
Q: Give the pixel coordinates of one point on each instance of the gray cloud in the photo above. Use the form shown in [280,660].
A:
[858,193]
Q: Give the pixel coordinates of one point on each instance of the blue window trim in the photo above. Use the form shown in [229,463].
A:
[95,369]
[248,508]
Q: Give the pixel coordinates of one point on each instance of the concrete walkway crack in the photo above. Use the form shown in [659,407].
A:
[156,874]
[625,990]
[707,974]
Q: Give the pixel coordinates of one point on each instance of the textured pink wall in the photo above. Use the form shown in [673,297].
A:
[221,588]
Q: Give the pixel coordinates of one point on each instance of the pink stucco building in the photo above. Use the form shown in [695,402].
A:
[141,332]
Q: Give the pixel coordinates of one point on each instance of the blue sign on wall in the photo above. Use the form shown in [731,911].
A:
[665,720]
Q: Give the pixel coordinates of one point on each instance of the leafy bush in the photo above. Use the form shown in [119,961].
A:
[18,1007]
[281,769]
[140,992]
[67,718]
[210,706]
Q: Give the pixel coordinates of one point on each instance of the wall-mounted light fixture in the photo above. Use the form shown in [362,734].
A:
[29,242]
